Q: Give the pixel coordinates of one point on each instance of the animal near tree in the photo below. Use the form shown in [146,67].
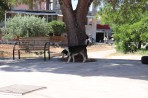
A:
[75,20]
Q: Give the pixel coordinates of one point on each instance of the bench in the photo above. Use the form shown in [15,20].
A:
[32,44]
[58,41]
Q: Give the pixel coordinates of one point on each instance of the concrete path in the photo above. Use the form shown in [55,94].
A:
[111,77]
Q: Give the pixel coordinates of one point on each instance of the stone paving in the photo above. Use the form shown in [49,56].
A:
[108,77]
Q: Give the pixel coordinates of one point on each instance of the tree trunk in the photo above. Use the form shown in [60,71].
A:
[75,20]
[139,44]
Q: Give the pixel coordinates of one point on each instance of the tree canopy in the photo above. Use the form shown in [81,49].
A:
[3,6]
[123,11]
[128,19]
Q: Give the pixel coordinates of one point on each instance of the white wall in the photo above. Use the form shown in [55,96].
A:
[91,29]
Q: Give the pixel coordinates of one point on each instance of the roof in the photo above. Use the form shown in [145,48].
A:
[32,12]
[99,26]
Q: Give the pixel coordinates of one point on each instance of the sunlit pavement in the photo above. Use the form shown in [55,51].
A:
[111,77]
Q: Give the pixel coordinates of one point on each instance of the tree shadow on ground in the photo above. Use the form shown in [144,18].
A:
[101,67]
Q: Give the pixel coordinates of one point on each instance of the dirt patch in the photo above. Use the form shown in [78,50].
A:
[99,47]
[6,50]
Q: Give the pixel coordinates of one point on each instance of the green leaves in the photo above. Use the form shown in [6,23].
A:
[129,20]
[27,26]
[57,27]
[3,6]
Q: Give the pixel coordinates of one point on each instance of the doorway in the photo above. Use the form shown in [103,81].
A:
[100,37]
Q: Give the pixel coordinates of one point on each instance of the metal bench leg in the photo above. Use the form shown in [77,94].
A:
[47,47]
[14,50]
[19,54]
[13,54]
[48,54]
[49,51]
[44,55]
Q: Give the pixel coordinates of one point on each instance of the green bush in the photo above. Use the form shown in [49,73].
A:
[57,27]
[129,35]
[129,21]
[26,26]
[122,38]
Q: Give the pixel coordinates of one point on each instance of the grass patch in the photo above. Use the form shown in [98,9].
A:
[142,52]
[139,52]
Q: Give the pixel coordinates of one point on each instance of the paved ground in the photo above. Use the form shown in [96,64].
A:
[108,77]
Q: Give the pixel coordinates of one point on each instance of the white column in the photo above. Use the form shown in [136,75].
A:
[94,30]
[5,18]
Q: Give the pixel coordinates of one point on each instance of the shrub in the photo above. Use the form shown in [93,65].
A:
[57,27]
[26,26]
[129,21]
[129,35]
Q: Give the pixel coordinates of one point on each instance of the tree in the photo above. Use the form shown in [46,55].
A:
[3,6]
[75,20]
[127,17]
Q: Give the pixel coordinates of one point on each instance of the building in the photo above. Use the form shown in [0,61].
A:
[52,12]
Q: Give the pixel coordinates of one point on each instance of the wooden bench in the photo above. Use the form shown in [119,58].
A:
[58,40]
[32,44]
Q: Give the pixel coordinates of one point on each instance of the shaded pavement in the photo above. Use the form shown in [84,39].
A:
[108,77]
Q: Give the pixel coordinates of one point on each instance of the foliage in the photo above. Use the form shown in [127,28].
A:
[57,27]
[136,33]
[142,52]
[144,28]
[3,6]
[26,26]
[129,20]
